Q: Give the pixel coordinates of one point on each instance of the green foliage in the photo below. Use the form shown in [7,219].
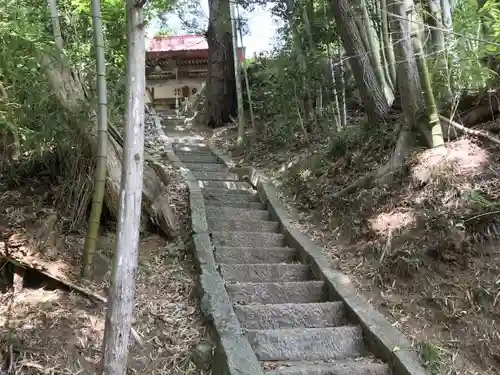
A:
[340,143]
[479,199]
[466,52]
[490,16]
[433,357]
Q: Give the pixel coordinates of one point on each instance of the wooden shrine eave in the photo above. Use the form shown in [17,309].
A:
[182,54]
[171,75]
[168,63]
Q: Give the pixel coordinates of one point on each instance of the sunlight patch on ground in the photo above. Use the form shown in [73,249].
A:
[305,174]
[389,222]
[463,158]
[467,156]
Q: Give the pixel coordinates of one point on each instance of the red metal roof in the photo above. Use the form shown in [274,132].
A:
[177,43]
[191,46]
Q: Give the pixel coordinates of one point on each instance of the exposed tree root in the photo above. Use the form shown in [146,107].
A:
[358,184]
[384,173]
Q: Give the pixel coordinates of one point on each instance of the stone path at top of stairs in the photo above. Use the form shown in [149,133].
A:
[290,323]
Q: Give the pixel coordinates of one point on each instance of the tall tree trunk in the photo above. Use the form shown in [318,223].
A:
[220,83]
[387,42]
[409,78]
[121,297]
[299,55]
[407,72]
[240,140]
[406,69]
[435,20]
[447,9]
[375,102]
[374,53]
[102,146]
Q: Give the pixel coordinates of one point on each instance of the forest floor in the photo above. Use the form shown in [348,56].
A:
[49,328]
[423,247]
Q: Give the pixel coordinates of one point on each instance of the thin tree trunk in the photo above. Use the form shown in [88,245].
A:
[340,80]
[245,75]
[299,54]
[332,99]
[387,42]
[380,33]
[306,8]
[447,9]
[301,122]
[407,72]
[439,49]
[240,140]
[56,26]
[102,139]
[425,82]
[121,297]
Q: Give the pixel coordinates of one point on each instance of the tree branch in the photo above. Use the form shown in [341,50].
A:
[477,133]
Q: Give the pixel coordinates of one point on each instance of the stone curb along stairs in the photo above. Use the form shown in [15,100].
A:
[276,305]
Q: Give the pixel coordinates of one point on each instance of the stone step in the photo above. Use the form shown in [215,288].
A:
[250,255]
[190,142]
[215,176]
[239,225]
[196,157]
[207,167]
[307,344]
[229,186]
[224,195]
[189,147]
[229,213]
[237,204]
[342,367]
[192,149]
[292,315]
[250,239]
[266,273]
[276,293]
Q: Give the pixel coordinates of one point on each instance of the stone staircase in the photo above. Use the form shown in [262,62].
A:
[289,320]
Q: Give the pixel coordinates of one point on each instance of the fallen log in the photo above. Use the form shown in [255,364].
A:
[71,94]
[477,133]
[481,108]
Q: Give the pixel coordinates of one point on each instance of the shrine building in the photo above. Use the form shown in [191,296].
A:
[176,68]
